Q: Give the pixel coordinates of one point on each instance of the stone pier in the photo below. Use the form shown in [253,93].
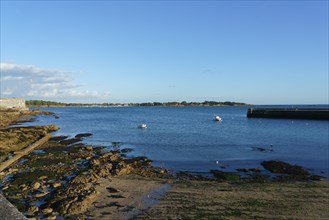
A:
[289,113]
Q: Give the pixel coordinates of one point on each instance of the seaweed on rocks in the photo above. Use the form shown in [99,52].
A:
[229,176]
[58,138]
[83,135]
[62,180]
[284,168]
[70,141]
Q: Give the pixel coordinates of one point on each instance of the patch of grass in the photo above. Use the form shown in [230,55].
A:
[220,175]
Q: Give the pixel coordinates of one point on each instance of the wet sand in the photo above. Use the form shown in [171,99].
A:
[126,197]
[213,200]
[133,197]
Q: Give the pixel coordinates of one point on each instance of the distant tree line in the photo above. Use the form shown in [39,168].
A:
[42,103]
[184,103]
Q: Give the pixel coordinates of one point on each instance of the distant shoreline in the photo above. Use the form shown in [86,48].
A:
[127,106]
[50,104]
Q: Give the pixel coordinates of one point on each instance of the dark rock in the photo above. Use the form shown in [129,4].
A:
[244,170]
[259,178]
[284,168]
[114,204]
[260,149]
[83,135]
[127,150]
[77,145]
[116,196]
[58,138]
[111,190]
[316,178]
[70,141]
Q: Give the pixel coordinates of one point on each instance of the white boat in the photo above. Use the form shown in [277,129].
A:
[142,126]
[217,118]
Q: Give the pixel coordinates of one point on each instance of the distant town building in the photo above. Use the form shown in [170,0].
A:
[15,103]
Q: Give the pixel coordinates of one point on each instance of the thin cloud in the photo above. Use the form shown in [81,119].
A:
[33,82]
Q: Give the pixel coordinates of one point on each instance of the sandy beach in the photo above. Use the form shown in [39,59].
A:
[65,179]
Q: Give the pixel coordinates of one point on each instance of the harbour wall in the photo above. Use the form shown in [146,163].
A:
[289,113]
[15,103]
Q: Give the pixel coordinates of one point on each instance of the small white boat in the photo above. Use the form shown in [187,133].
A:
[142,126]
[217,118]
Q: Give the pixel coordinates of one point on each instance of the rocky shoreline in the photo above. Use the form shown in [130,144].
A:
[58,179]
[64,179]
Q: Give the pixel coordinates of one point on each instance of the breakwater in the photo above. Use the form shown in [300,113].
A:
[289,113]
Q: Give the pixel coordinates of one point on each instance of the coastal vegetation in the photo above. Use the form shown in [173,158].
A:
[42,103]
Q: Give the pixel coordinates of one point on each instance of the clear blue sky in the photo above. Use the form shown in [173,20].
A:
[260,52]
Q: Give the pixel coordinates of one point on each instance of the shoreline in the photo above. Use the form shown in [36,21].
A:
[64,178]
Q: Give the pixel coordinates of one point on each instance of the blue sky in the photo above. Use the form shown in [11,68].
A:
[259,52]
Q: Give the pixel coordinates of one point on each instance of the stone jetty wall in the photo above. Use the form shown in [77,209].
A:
[16,103]
[8,211]
[290,113]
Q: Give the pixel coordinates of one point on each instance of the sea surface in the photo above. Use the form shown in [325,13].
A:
[188,139]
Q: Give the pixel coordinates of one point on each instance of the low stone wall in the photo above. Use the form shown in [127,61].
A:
[8,211]
[16,103]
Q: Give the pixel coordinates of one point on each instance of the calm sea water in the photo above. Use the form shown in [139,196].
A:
[187,138]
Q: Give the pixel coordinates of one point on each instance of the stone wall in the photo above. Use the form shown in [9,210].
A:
[8,211]
[17,103]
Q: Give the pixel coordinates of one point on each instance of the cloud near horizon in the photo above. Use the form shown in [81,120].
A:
[33,82]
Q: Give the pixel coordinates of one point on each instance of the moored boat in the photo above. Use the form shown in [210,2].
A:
[217,118]
[142,126]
